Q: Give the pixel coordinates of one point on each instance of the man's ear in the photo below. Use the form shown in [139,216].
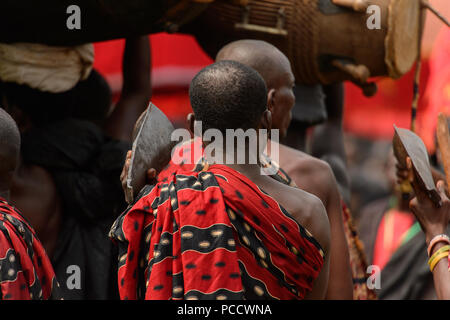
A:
[271,100]
[190,121]
[266,120]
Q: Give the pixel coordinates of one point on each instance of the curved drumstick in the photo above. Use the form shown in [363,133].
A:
[443,138]
[427,5]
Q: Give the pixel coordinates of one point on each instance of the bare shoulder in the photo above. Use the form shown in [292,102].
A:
[295,161]
[308,210]
[308,173]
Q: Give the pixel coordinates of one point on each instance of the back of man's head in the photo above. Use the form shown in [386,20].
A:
[9,148]
[228,95]
[260,55]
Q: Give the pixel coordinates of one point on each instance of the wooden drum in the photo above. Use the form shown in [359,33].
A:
[326,40]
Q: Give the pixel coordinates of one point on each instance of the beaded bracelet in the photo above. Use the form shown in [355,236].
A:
[437,239]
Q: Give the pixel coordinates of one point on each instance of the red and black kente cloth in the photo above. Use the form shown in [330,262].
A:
[208,232]
[25,270]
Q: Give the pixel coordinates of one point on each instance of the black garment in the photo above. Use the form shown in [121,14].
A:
[86,167]
[407,275]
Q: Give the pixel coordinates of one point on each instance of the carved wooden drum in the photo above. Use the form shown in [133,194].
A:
[325,40]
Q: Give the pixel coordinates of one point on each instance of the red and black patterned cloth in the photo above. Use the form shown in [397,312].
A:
[208,232]
[25,270]
[358,261]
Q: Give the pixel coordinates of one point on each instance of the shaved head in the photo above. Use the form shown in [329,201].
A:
[275,68]
[228,95]
[9,149]
[259,55]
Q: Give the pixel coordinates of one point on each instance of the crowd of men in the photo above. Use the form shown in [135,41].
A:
[202,228]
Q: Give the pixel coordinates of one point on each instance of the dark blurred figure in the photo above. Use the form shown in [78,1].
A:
[68,181]
[317,128]
[393,242]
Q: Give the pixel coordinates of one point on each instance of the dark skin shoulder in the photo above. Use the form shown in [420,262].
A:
[308,211]
[34,193]
[316,177]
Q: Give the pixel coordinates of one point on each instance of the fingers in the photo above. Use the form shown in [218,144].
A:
[413,205]
[402,172]
[412,178]
[126,165]
[124,174]
[441,187]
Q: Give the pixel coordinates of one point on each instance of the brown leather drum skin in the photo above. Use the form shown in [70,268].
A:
[325,43]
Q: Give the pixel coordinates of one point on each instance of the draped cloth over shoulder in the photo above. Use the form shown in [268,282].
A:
[25,270]
[358,261]
[46,68]
[208,232]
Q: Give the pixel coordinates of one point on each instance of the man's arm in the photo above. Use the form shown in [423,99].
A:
[433,221]
[320,181]
[328,138]
[320,228]
[441,276]
[136,89]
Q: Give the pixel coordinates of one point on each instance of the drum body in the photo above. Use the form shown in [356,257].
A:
[45,21]
[325,43]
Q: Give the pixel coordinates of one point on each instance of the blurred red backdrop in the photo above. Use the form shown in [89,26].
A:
[177,58]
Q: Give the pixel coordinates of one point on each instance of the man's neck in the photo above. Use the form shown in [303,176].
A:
[249,166]
[249,170]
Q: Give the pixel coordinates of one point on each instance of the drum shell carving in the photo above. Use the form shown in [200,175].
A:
[317,33]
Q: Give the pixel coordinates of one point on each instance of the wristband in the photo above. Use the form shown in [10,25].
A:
[443,249]
[437,259]
[437,239]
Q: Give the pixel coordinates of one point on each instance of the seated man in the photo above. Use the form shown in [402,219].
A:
[25,269]
[300,169]
[207,230]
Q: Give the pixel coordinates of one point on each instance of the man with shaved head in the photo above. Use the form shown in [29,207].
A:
[25,269]
[206,229]
[298,168]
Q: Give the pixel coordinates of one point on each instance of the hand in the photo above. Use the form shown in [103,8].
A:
[433,220]
[124,175]
[402,173]
[150,176]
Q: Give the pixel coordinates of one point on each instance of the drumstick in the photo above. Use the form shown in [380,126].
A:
[357,5]
[427,5]
[405,186]
[416,88]
[443,138]
[359,73]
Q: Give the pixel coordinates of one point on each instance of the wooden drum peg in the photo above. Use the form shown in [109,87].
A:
[357,5]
